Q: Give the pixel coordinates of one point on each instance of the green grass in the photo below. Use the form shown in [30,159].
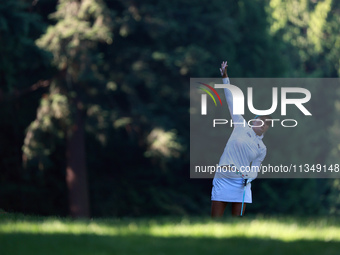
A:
[21,234]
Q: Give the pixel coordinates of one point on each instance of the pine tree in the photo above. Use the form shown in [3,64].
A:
[80,26]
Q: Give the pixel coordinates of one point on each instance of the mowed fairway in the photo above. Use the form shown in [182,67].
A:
[21,234]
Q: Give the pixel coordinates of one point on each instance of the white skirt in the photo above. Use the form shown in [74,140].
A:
[230,190]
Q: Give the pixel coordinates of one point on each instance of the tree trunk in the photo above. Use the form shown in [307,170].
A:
[76,176]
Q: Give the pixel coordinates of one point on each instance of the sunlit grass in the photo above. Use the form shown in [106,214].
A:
[32,235]
[281,228]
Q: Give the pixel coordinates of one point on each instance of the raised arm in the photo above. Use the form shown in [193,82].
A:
[237,118]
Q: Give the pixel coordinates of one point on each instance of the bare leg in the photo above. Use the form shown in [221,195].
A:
[236,209]
[217,208]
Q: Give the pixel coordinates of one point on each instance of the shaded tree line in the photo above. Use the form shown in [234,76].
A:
[95,103]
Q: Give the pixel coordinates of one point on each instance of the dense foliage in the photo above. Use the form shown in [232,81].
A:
[120,69]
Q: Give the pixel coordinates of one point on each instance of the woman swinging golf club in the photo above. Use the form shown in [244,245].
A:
[240,160]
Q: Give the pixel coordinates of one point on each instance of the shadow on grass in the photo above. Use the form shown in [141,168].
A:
[64,244]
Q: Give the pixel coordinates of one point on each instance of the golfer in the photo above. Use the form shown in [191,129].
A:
[240,160]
